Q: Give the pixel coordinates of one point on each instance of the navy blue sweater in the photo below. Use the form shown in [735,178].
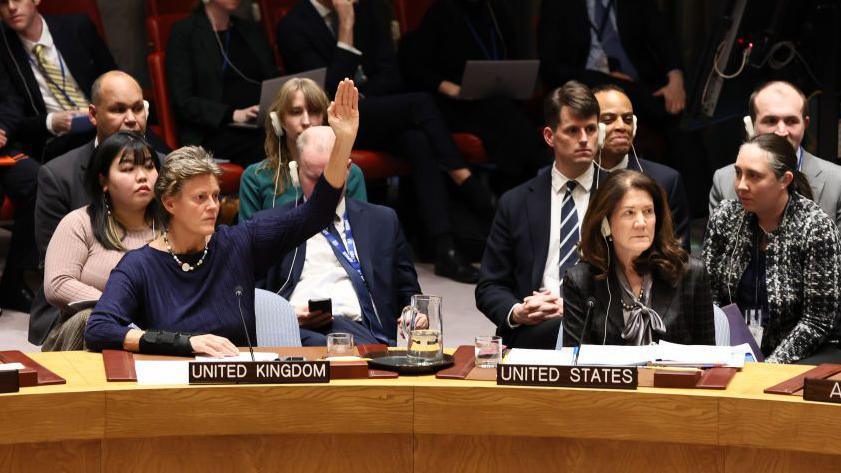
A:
[149,289]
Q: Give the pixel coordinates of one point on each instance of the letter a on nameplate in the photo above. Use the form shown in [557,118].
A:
[822,390]
[602,377]
[259,372]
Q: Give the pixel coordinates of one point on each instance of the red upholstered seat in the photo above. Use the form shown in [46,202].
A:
[229,182]
[471,147]
[379,165]
[159,27]
[409,13]
[7,212]
[157,75]
[163,7]
[271,11]
[64,7]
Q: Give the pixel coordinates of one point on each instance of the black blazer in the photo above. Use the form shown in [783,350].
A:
[194,73]
[384,255]
[564,42]
[86,57]
[517,247]
[11,110]
[686,309]
[672,183]
[306,43]
[440,47]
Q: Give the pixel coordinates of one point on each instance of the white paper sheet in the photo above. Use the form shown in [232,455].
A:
[677,354]
[243,356]
[528,356]
[11,366]
[616,355]
[161,372]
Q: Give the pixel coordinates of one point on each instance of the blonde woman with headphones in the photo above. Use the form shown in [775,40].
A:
[273,182]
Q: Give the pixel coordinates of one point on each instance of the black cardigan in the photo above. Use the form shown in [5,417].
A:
[686,309]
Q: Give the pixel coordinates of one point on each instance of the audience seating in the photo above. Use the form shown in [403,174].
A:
[64,7]
[164,7]
[159,27]
[7,210]
[409,13]
[271,11]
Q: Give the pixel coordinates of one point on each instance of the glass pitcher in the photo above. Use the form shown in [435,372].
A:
[423,327]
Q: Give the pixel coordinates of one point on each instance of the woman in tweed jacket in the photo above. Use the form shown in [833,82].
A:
[776,251]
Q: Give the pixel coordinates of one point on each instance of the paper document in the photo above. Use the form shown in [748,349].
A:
[616,355]
[671,354]
[161,372]
[528,356]
[11,366]
[243,356]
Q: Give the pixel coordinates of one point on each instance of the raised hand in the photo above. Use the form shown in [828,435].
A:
[343,112]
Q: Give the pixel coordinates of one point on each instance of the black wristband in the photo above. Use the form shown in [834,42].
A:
[159,342]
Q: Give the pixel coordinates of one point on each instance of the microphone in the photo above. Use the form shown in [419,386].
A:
[591,302]
[238,293]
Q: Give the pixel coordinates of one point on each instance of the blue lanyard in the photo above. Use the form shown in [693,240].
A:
[348,253]
[493,54]
[227,49]
[47,77]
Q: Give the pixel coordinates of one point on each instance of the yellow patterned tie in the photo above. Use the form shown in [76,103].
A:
[70,97]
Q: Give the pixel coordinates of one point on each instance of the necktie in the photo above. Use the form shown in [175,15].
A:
[68,96]
[609,37]
[569,233]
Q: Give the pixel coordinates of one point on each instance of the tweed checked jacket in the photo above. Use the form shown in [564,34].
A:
[803,273]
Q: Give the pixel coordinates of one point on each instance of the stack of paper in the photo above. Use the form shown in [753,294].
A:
[177,372]
[527,356]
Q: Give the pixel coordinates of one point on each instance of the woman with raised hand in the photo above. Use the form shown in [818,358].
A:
[184,291]
[90,241]
[300,104]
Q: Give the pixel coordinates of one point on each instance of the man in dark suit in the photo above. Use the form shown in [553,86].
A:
[617,114]
[367,272]
[533,240]
[117,105]
[18,183]
[53,61]
[353,39]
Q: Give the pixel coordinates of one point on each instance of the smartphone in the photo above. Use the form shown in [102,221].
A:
[325,306]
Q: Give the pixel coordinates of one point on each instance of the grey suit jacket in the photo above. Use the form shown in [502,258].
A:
[824,178]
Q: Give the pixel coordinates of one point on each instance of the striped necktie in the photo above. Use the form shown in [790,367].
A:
[569,232]
[67,95]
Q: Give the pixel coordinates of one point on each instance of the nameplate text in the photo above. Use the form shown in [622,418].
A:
[604,377]
[822,390]
[259,372]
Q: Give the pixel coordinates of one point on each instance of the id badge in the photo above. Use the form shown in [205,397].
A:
[754,321]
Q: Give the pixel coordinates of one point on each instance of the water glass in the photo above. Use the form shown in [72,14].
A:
[339,344]
[488,351]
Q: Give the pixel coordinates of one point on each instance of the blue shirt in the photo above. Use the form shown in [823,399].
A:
[149,289]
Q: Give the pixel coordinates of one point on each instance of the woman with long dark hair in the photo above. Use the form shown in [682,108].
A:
[90,241]
[643,287]
[777,255]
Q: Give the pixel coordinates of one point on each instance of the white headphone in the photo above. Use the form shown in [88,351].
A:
[605,227]
[749,126]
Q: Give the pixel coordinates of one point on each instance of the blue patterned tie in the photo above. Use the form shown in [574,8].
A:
[569,232]
[609,37]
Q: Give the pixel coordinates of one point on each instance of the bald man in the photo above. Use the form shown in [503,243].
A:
[362,262]
[780,107]
[116,105]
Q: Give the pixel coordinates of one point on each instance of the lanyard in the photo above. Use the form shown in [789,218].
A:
[493,54]
[227,48]
[48,78]
[348,253]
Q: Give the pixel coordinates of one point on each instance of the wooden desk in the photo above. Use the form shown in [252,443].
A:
[410,424]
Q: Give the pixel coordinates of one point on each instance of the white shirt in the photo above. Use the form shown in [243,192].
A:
[52,54]
[621,165]
[325,13]
[323,276]
[581,197]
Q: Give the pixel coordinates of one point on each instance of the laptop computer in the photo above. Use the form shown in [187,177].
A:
[268,93]
[512,79]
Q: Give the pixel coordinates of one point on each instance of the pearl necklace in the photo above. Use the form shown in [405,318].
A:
[630,307]
[186,267]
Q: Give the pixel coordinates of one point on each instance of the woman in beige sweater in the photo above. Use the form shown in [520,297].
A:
[90,241]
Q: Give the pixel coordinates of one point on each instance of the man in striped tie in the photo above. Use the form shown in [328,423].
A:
[534,237]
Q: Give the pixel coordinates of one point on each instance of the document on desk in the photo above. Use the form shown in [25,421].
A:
[161,372]
[528,356]
[616,355]
[243,356]
[675,354]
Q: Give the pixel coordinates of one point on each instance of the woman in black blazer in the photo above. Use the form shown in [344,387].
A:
[215,65]
[640,286]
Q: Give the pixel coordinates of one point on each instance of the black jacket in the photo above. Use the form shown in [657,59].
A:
[686,309]
[194,73]
[86,57]
[564,42]
[385,257]
[306,43]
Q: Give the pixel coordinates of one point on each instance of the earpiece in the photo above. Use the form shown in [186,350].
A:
[293,173]
[146,107]
[749,126]
[605,227]
[633,126]
[278,130]
[602,134]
